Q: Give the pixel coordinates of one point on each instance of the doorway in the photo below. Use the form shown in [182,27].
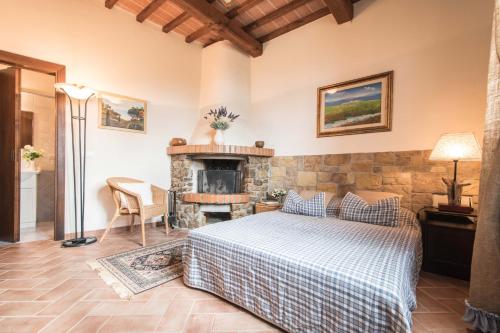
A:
[37,135]
[33,114]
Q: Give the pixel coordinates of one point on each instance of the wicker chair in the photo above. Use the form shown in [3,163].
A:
[135,206]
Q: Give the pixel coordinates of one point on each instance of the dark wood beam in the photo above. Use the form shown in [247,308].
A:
[176,22]
[275,14]
[200,32]
[229,29]
[149,9]
[231,14]
[213,41]
[110,3]
[247,5]
[295,24]
[342,10]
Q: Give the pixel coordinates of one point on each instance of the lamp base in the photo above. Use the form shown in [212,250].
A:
[81,241]
[455,209]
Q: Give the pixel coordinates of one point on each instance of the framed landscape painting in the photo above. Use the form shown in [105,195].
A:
[358,106]
[122,113]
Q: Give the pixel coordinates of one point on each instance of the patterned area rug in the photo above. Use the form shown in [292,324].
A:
[135,271]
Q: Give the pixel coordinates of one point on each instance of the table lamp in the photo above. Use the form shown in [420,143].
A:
[455,147]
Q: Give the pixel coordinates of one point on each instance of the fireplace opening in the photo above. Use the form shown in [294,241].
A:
[220,176]
[219,181]
[221,164]
[214,217]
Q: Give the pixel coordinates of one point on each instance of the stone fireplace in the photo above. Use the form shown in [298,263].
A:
[216,183]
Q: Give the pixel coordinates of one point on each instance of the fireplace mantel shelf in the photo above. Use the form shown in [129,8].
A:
[213,149]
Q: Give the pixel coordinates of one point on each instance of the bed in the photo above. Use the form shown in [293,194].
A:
[308,274]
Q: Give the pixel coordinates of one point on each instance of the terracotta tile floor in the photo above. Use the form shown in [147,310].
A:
[42,231]
[44,288]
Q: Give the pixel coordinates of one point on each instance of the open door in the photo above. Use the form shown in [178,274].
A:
[9,154]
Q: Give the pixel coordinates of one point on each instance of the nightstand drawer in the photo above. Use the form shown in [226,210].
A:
[260,208]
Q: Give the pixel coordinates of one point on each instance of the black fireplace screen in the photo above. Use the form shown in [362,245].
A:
[219,181]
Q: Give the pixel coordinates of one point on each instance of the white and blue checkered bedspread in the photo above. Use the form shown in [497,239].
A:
[309,274]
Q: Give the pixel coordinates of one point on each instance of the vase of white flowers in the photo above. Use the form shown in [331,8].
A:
[220,121]
[279,195]
[30,158]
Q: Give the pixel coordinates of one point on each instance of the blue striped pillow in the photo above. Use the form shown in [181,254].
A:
[383,212]
[333,207]
[295,204]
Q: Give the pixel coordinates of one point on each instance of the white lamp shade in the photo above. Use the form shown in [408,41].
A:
[74,91]
[456,146]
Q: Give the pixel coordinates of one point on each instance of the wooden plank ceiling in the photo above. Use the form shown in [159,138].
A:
[245,23]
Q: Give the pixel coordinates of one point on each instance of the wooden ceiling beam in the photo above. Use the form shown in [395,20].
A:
[275,14]
[199,33]
[342,10]
[149,10]
[213,41]
[231,14]
[176,22]
[229,29]
[295,24]
[110,3]
[247,5]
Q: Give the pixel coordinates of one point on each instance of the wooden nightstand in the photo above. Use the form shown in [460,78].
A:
[448,240]
[262,207]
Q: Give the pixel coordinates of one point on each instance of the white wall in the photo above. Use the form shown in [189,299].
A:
[108,50]
[437,49]
[225,81]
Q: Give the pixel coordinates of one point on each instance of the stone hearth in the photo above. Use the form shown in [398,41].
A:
[193,207]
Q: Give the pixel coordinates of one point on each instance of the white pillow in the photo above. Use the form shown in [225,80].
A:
[142,189]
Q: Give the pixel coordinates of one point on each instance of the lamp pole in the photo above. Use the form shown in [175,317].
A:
[79,162]
[455,162]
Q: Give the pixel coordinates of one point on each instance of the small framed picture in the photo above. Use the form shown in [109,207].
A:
[354,107]
[122,113]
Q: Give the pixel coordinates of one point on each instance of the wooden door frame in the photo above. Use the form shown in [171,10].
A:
[59,72]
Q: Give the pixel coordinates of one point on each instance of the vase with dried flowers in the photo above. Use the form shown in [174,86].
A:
[220,120]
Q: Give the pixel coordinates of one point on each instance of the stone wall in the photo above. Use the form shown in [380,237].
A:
[256,178]
[409,173]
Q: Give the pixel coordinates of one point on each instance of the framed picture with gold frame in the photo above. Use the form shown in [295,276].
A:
[358,106]
[122,113]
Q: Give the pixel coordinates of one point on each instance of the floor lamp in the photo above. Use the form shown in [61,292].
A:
[79,95]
